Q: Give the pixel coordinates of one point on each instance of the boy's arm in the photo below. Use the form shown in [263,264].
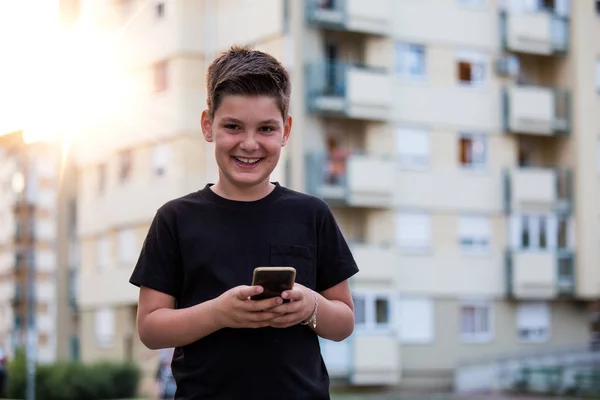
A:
[160,325]
[335,314]
[335,311]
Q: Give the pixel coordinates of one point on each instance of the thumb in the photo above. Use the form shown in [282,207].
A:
[244,292]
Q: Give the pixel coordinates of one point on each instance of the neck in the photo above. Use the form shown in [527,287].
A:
[250,193]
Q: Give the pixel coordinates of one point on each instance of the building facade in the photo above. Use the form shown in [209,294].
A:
[456,142]
[30,178]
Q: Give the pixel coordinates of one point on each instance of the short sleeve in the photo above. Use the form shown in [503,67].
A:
[159,265]
[335,262]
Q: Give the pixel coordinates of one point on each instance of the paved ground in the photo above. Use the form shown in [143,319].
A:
[442,397]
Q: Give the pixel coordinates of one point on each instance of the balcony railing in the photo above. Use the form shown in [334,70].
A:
[540,274]
[536,110]
[542,32]
[351,179]
[538,189]
[373,17]
[347,89]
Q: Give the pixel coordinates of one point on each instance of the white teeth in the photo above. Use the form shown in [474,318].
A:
[247,160]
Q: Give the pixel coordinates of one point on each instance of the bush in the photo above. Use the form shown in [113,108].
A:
[74,381]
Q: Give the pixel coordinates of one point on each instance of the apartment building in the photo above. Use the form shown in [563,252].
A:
[455,140]
[29,177]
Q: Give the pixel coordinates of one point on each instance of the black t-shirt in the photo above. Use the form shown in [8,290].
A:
[202,245]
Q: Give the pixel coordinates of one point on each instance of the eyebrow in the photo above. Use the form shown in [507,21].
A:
[237,121]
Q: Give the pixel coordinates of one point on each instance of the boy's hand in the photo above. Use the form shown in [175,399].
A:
[236,310]
[299,309]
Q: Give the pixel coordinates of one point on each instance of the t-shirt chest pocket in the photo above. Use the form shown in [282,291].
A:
[300,257]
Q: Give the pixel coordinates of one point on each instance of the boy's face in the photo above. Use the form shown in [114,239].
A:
[248,133]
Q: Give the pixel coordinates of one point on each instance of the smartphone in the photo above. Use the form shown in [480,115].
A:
[274,280]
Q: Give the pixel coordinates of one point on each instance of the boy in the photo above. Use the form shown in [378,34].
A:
[198,258]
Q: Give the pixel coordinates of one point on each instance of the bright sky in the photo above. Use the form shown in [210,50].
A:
[52,82]
[27,31]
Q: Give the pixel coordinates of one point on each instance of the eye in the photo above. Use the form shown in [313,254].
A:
[267,129]
[231,126]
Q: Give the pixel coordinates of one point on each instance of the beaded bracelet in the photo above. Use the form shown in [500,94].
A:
[313,317]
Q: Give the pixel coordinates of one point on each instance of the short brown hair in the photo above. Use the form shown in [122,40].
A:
[243,71]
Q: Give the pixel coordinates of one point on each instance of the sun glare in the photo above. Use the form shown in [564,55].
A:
[56,83]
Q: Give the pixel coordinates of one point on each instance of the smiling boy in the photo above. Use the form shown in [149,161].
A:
[197,261]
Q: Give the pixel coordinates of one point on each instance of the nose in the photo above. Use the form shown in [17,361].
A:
[249,143]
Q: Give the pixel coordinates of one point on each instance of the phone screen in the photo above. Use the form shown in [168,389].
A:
[274,281]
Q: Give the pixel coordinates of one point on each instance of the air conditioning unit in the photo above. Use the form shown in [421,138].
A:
[508,66]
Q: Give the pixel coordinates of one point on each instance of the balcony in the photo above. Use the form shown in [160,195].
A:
[540,32]
[349,90]
[536,110]
[538,190]
[377,263]
[540,275]
[355,180]
[373,17]
[366,359]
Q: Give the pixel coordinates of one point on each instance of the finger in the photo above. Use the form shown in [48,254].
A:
[262,316]
[287,308]
[295,294]
[243,292]
[287,319]
[261,305]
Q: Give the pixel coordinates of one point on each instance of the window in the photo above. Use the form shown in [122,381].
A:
[474,234]
[412,147]
[160,76]
[101,178]
[598,7]
[126,249]
[102,250]
[413,231]
[473,151]
[476,321]
[159,9]
[125,165]
[105,327]
[541,232]
[471,68]
[416,320]
[471,3]
[372,311]
[161,157]
[533,322]
[410,60]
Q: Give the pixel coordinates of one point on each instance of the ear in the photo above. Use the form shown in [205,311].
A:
[206,125]
[287,130]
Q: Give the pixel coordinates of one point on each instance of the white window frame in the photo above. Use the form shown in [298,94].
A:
[479,63]
[408,310]
[476,229]
[478,335]
[476,165]
[126,247]
[531,221]
[524,321]
[104,327]
[161,159]
[369,299]
[102,252]
[410,220]
[411,61]
[417,157]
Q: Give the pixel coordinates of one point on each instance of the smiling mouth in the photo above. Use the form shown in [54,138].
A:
[246,162]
